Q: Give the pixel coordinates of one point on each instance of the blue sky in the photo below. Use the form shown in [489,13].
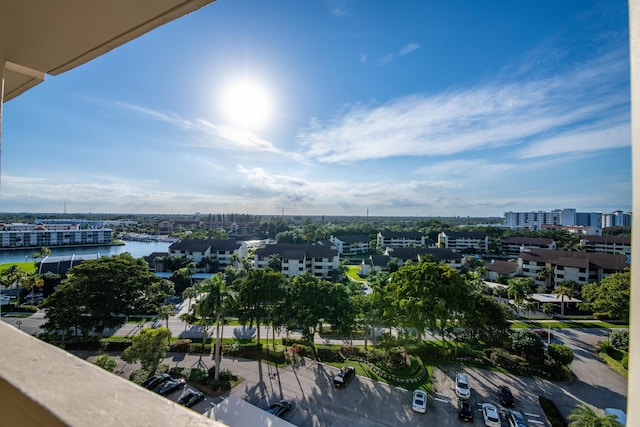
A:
[419,108]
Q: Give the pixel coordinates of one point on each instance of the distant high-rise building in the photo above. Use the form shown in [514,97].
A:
[566,217]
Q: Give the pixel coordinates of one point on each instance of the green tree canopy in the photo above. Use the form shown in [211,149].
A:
[611,296]
[149,348]
[106,290]
[426,294]
[585,416]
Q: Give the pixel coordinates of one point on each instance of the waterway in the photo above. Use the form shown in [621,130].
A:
[136,249]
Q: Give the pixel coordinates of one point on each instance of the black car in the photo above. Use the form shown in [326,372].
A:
[169,386]
[280,408]
[506,398]
[465,411]
[155,381]
[191,398]
[344,377]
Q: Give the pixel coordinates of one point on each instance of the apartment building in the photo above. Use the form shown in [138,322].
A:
[581,267]
[499,268]
[440,255]
[352,244]
[294,260]
[460,241]
[607,244]
[219,251]
[513,245]
[400,239]
[26,236]
[374,263]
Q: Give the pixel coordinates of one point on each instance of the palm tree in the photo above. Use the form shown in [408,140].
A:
[189,293]
[14,275]
[214,305]
[164,312]
[585,416]
[547,274]
[519,290]
[275,262]
[564,289]
[32,281]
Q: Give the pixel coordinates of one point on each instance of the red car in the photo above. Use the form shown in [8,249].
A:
[543,333]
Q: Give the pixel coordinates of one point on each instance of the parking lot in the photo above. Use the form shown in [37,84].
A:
[365,402]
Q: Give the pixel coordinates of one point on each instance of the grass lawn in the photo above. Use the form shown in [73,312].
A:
[27,267]
[568,324]
[363,370]
[352,272]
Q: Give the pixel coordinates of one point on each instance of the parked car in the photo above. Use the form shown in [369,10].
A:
[419,403]
[490,415]
[170,386]
[155,381]
[465,411]
[543,333]
[6,299]
[344,377]
[463,391]
[515,419]
[191,398]
[619,414]
[506,397]
[279,409]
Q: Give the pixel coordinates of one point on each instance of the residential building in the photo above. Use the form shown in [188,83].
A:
[294,260]
[498,268]
[218,251]
[513,245]
[26,236]
[61,264]
[374,263]
[566,217]
[460,241]
[581,267]
[352,244]
[616,219]
[586,230]
[440,255]
[400,239]
[607,244]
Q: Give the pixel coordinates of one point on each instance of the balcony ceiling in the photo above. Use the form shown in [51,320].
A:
[39,37]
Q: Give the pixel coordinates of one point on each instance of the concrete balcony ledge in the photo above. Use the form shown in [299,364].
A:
[42,385]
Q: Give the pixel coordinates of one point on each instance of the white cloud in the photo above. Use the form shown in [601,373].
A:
[497,114]
[407,49]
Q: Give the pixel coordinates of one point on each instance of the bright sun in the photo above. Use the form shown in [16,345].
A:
[246,103]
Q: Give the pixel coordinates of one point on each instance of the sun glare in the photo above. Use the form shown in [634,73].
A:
[246,103]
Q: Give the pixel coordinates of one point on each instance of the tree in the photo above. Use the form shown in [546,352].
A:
[485,320]
[165,311]
[547,274]
[189,293]
[149,347]
[105,362]
[427,294]
[214,305]
[584,415]
[519,289]
[256,293]
[14,276]
[564,289]
[106,290]
[310,301]
[31,282]
[611,296]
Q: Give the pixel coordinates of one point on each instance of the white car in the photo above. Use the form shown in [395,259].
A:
[419,403]
[490,415]
[463,391]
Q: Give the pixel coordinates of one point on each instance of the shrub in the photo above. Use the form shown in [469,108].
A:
[105,362]
[625,361]
[115,343]
[196,375]
[528,344]
[181,346]
[560,353]
[619,339]
[551,411]
[138,376]
[506,360]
